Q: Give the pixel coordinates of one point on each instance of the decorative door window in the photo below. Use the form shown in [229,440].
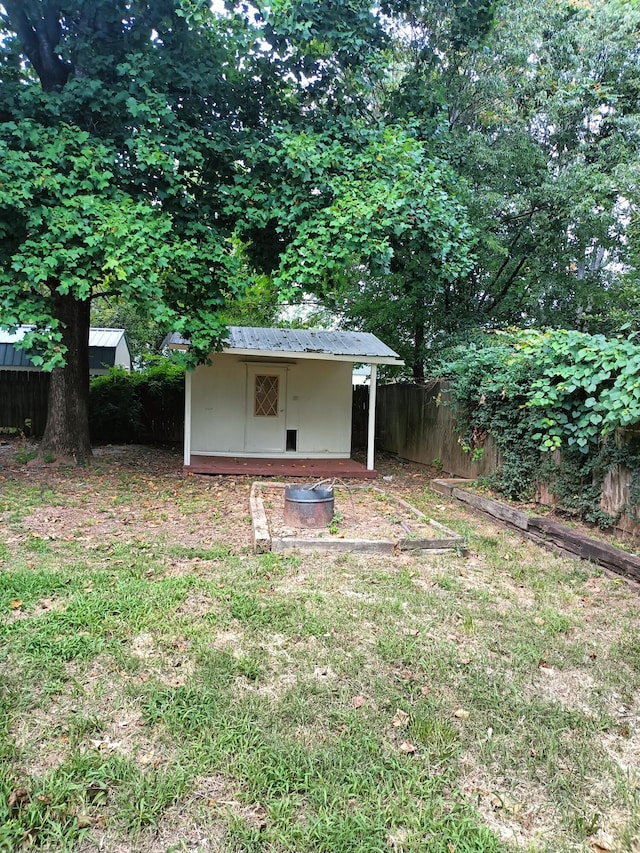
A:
[265,398]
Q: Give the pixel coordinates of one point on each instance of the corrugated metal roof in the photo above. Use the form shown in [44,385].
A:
[355,346]
[105,337]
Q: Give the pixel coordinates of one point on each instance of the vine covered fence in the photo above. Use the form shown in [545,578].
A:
[419,423]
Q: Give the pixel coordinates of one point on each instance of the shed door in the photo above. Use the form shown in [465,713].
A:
[266,397]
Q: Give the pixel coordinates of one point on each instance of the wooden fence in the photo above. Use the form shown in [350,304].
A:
[23,400]
[23,406]
[417,423]
[163,415]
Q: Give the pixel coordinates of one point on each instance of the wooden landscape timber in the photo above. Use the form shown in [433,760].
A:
[544,531]
[261,535]
[495,508]
[334,546]
[587,548]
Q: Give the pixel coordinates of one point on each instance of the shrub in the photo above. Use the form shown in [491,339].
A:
[123,406]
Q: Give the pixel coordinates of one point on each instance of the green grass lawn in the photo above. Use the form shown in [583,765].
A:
[164,689]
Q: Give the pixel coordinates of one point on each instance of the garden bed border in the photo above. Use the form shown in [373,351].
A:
[263,540]
[543,530]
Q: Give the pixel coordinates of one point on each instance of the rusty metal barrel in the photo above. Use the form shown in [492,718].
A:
[305,506]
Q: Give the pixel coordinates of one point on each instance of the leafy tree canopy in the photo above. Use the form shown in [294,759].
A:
[534,105]
[118,125]
[168,157]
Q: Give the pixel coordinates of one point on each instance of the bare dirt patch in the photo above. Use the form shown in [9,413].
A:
[127,494]
[376,521]
[359,513]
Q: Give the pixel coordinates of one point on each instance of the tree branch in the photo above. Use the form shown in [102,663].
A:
[502,266]
[496,300]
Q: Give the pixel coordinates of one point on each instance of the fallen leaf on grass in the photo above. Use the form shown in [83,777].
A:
[97,793]
[106,745]
[602,842]
[358,701]
[405,675]
[16,604]
[401,719]
[407,748]
[461,714]
[18,798]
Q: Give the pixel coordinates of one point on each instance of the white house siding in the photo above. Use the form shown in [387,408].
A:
[218,406]
[317,404]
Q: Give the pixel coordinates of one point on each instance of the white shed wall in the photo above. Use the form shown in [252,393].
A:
[123,356]
[319,406]
[317,402]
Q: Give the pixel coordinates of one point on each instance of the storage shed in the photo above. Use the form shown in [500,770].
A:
[279,400]
[107,347]
[24,387]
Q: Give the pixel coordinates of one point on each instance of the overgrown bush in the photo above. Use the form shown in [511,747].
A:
[123,407]
[538,392]
[490,389]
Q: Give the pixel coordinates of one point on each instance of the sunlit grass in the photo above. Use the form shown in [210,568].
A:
[305,703]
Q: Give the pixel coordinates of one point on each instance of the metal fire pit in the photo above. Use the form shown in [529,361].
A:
[307,507]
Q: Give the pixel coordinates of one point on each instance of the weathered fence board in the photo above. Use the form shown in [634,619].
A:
[24,396]
[417,422]
[163,415]
[23,400]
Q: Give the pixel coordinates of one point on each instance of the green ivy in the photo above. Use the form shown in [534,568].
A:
[587,387]
[537,392]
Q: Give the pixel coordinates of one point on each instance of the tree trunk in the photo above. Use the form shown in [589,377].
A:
[67,431]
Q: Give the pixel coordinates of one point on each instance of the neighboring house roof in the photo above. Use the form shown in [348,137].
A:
[102,348]
[103,344]
[105,337]
[302,343]
[12,357]
[9,355]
